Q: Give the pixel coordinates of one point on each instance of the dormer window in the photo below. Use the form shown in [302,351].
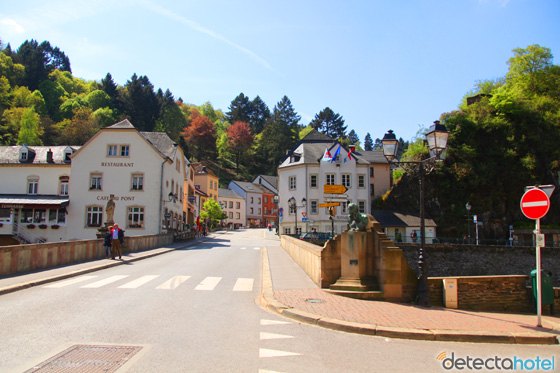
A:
[23,153]
[67,153]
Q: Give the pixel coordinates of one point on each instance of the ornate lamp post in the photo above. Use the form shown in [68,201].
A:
[437,142]
[292,202]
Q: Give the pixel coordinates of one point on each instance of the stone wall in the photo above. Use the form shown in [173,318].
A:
[472,260]
[26,258]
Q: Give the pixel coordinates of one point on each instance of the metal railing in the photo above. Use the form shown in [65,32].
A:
[25,236]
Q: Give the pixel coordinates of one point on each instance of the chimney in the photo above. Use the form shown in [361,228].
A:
[50,156]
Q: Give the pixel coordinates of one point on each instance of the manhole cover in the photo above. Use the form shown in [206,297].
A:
[90,358]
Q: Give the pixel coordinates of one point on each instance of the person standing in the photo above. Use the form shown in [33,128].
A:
[117,239]
[107,244]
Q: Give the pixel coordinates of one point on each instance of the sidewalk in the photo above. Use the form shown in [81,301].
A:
[289,291]
[22,281]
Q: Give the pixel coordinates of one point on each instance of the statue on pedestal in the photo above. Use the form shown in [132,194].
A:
[356,220]
[110,209]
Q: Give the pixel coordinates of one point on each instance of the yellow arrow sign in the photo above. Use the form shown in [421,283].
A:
[330,204]
[334,189]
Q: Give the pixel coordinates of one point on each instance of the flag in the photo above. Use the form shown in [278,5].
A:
[336,154]
[327,156]
[352,148]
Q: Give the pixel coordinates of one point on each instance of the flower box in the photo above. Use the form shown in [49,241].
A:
[42,226]
[55,226]
[30,226]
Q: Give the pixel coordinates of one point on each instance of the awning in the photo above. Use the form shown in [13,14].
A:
[29,201]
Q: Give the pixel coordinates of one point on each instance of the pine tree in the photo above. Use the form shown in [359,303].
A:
[368,142]
[239,109]
[330,123]
[353,137]
[259,115]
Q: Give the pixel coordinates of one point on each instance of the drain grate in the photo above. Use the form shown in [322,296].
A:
[88,358]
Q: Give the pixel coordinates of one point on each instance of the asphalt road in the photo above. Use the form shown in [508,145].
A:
[196,310]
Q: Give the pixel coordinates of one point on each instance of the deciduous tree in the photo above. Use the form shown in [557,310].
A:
[240,140]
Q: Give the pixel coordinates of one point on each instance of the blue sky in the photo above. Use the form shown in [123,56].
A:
[380,64]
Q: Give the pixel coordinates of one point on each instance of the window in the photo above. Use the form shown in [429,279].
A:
[230,204]
[298,231]
[238,205]
[94,216]
[61,216]
[39,215]
[346,180]
[137,182]
[362,206]
[230,215]
[251,199]
[111,150]
[5,214]
[67,153]
[251,211]
[32,186]
[330,179]
[313,181]
[266,210]
[125,150]
[314,208]
[238,215]
[265,199]
[259,211]
[95,181]
[135,217]
[344,207]
[371,172]
[286,230]
[292,209]
[63,185]
[23,156]
[259,200]
[211,185]
[371,189]
[361,181]
[26,216]
[292,182]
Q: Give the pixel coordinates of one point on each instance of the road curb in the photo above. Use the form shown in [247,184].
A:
[268,301]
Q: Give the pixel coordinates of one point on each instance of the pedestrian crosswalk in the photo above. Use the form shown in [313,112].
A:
[157,282]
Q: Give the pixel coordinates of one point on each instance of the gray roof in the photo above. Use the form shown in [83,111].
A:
[316,136]
[162,142]
[228,193]
[389,218]
[122,124]
[272,180]
[252,187]
[374,156]
[36,154]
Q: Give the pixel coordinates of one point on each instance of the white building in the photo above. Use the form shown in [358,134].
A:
[144,171]
[303,175]
[233,205]
[34,193]
[61,193]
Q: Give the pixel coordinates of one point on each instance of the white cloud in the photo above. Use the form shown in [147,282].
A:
[195,26]
[12,25]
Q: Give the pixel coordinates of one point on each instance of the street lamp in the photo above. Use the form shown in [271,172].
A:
[292,202]
[276,217]
[437,142]
[468,207]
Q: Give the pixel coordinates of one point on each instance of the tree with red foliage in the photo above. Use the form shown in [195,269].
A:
[240,140]
[200,136]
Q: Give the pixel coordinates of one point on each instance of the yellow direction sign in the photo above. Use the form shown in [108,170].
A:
[334,189]
[330,204]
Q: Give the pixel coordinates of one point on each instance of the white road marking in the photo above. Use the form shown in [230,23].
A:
[256,248]
[264,352]
[70,282]
[138,282]
[209,283]
[244,284]
[174,282]
[274,322]
[106,281]
[267,336]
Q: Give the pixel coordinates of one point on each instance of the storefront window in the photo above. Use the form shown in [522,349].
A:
[26,216]
[5,214]
[39,215]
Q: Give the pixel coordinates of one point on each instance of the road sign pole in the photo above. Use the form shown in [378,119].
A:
[539,290]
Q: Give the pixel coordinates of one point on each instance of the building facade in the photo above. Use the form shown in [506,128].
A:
[253,195]
[233,205]
[304,173]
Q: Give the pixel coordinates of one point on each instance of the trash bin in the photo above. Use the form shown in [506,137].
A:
[547,290]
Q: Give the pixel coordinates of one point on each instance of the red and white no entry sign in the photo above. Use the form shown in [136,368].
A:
[535,203]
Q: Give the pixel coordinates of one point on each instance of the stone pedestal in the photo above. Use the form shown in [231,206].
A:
[357,263]
[101,232]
